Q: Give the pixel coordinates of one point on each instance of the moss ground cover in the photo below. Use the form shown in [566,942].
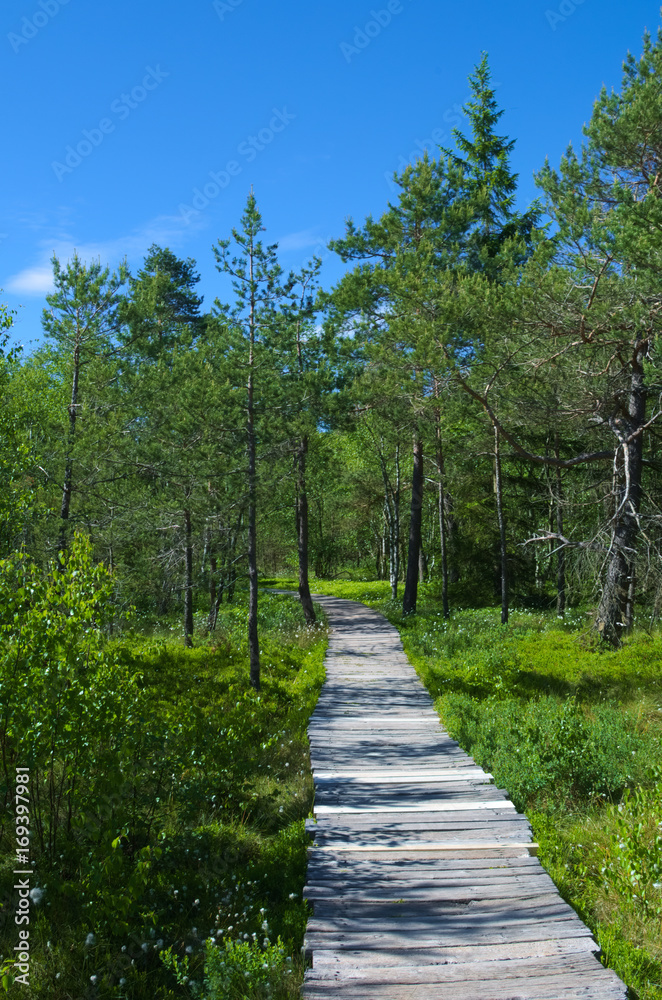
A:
[167,797]
[572,731]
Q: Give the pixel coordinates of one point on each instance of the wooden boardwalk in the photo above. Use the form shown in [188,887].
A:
[422,875]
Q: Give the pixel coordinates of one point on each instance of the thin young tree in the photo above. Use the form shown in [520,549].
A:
[83,321]
[256,281]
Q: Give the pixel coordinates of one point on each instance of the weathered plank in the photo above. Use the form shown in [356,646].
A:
[322,867]
[405,778]
[459,805]
[348,961]
[570,963]
[571,987]
[325,934]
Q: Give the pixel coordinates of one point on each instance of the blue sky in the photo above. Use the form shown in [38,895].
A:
[116,114]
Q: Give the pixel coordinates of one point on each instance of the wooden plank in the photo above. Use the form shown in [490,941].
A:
[566,964]
[378,825]
[430,846]
[434,827]
[438,937]
[346,959]
[337,720]
[321,934]
[397,886]
[457,806]
[394,777]
[437,867]
[452,890]
[532,988]
[545,905]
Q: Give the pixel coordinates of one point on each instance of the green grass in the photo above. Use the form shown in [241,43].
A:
[572,731]
[188,818]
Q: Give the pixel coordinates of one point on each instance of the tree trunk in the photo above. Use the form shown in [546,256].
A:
[392,515]
[213,609]
[302,521]
[188,590]
[452,534]
[68,466]
[442,513]
[394,529]
[229,576]
[560,556]
[411,581]
[253,640]
[629,607]
[618,588]
[422,565]
[498,489]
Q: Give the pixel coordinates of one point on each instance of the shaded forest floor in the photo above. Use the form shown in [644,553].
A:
[572,731]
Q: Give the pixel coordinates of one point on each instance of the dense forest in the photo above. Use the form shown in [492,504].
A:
[476,402]
[475,406]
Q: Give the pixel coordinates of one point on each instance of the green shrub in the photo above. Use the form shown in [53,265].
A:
[633,867]
[237,970]
[549,747]
[168,796]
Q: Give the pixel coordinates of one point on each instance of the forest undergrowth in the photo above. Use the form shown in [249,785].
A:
[167,797]
[571,729]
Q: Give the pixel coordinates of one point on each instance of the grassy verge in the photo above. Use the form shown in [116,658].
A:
[179,808]
[572,731]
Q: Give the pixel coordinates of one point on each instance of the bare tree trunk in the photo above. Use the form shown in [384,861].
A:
[213,608]
[229,576]
[392,514]
[422,565]
[619,584]
[253,640]
[498,489]
[394,528]
[411,581]
[632,591]
[560,556]
[382,548]
[68,466]
[302,522]
[188,589]
[442,510]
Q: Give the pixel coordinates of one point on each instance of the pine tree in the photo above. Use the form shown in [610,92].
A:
[256,281]
[83,320]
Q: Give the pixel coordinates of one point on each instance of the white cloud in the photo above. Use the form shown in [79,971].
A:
[32,281]
[37,278]
[301,240]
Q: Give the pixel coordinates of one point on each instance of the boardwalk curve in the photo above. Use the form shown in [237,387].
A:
[422,875]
